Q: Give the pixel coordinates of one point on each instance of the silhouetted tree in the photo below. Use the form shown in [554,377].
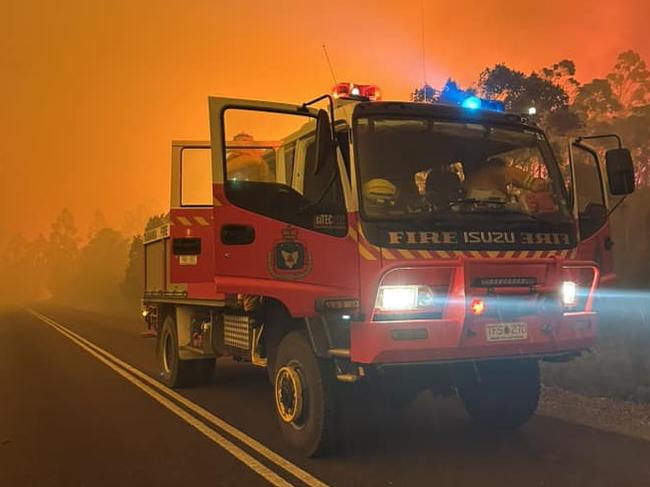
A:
[519,91]
[101,266]
[62,252]
[453,94]
[563,74]
[98,223]
[595,101]
[426,94]
[630,80]
[133,283]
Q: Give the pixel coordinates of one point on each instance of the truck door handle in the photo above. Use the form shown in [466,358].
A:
[234,234]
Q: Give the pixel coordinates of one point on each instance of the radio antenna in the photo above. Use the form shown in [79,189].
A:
[424,63]
[329,64]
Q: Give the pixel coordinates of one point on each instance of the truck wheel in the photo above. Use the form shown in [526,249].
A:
[174,372]
[501,394]
[304,391]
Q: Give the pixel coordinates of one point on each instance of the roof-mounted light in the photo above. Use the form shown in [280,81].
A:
[475,103]
[353,91]
[472,102]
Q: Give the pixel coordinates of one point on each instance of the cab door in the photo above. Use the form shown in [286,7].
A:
[280,214]
[591,208]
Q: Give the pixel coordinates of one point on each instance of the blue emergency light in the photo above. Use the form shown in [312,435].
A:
[472,102]
[476,103]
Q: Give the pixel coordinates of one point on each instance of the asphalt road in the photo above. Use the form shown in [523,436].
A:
[74,414]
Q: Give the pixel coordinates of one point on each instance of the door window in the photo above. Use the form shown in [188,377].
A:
[271,170]
[592,211]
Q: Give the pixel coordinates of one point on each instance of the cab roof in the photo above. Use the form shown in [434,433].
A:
[441,111]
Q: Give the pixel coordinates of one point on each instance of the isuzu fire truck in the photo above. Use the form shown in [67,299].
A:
[415,246]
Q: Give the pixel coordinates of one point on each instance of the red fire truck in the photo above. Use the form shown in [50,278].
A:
[409,245]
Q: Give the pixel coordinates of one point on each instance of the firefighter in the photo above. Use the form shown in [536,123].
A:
[444,185]
[379,195]
[492,181]
[246,164]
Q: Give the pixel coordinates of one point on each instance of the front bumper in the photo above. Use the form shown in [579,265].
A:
[444,340]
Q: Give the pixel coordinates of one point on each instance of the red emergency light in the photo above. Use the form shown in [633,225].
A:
[356,92]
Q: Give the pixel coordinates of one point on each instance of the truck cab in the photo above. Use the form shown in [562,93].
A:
[339,245]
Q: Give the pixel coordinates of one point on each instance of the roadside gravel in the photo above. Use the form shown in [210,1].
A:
[623,417]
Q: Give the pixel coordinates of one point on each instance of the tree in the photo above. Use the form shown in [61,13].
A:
[630,80]
[453,94]
[502,83]
[101,267]
[562,74]
[596,101]
[98,223]
[426,94]
[545,92]
[520,92]
[133,283]
[63,239]
[62,252]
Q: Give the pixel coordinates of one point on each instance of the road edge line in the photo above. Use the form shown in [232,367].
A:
[252,443]
[244,457]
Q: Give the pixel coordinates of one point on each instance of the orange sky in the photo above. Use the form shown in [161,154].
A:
[92,91]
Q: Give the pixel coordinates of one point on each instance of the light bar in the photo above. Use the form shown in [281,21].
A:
[354,91]
[476,103]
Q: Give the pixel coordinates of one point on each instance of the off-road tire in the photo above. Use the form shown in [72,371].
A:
[315,435]
[173,372]
[500,394]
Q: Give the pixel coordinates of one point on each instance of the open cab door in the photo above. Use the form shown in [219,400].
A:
[593,193]
[280,190]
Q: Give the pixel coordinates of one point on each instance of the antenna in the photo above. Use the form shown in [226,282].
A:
[329,63]
[424,65]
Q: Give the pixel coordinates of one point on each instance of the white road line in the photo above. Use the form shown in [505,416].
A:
[230,447]
[269,454]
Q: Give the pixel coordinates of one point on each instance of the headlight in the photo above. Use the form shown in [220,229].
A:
[569,293]
[404,298]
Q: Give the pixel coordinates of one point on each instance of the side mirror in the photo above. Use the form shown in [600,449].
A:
[620,171]
[324,141]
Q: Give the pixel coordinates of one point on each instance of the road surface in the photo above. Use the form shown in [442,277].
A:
[78,407]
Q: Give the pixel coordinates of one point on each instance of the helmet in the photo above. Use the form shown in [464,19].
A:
[379,191]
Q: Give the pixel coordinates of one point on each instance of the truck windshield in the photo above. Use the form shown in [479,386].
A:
[424,168]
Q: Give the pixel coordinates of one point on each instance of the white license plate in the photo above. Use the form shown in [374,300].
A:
[505,332]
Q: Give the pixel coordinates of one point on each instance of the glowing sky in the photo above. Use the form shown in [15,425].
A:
[92,91]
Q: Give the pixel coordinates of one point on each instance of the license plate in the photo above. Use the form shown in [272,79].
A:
[505,332]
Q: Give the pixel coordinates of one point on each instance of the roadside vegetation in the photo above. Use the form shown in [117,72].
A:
[103,269]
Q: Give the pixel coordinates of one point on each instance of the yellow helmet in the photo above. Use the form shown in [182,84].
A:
[379,191]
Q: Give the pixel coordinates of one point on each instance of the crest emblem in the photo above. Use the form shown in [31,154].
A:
[289,258]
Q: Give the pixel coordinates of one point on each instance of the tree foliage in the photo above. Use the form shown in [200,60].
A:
[425,94]
[630,80]
[520,91]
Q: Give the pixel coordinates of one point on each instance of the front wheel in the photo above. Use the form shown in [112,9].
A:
[304,391]
[500,394]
